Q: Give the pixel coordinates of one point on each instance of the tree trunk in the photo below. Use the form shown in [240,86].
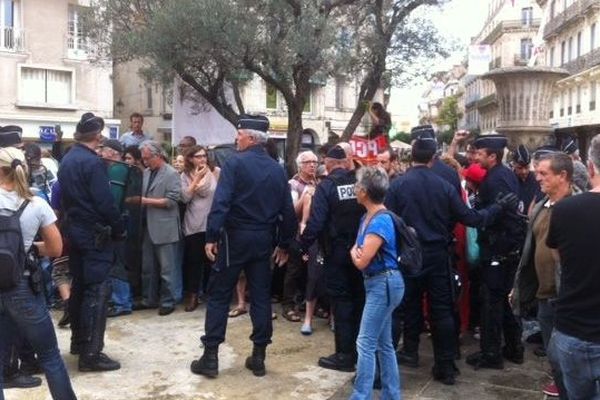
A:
[367,91]
[294,136]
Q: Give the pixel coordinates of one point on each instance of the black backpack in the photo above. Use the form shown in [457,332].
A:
[12,250]
[410,256]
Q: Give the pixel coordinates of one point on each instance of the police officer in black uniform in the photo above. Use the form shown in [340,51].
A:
[430,204]
[529,188]
[92,221]
[252,201]
[499,245]
[335,216]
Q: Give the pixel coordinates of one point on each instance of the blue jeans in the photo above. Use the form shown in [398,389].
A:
[25,314]
[121,295]
[579,364]
[383,294]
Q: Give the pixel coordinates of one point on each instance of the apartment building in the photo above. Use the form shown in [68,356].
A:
[509,29]
[572,42]
[48,77]
[442,85]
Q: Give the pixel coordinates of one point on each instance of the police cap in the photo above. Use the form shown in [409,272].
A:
[425,143]
[337,153]
[492,142]
[255,122]
[10,135]
[521,155]
[543,151]
[422,131]
[569,145]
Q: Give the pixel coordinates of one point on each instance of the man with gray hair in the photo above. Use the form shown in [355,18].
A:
[161,189]
[574,347]
[251,204]
[302,187]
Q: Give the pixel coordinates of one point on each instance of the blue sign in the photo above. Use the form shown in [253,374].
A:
[113,132]
[47,134]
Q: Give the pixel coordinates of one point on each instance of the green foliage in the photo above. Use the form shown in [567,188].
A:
[449,114]
[401,136]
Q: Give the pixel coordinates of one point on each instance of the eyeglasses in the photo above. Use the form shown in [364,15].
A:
[200,156]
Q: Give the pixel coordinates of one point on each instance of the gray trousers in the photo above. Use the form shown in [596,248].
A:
[161,275]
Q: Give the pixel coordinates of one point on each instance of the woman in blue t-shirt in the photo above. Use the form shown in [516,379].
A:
[375,255]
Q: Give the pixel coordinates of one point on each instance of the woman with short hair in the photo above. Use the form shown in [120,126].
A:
[375,254]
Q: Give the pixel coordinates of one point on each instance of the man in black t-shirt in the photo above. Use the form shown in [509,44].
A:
[573,234]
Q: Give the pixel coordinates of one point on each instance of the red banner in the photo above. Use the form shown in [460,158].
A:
[365,150]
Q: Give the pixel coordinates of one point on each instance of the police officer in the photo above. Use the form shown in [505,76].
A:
[251,202]
[499,245]
[335,215]
[438,166]
[92,221]
[430,204]
[529,188]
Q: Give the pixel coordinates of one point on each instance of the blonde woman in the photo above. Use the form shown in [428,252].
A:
[23,312]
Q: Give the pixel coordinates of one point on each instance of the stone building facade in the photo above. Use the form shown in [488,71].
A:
[47,76]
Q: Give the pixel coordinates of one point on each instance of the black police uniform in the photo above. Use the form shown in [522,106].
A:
[251,202]
[430,204]
[499,246]
[335,216]
[529,191]
[89,211]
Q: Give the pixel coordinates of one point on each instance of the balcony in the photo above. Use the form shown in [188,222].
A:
[583,62]
[521,60]
[79,47]
[575,12]
[12,39]
[510,25]
[487,101]
[496,63]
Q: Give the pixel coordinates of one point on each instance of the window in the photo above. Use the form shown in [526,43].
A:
[551,61]
[570,49]
[77,41]
[552,9]
[10,35]
[45,87]
[593,36]
[579,44]
[271,97]
[578,103]
[562,104]
[570,107]
[149,97]
[526,48]
[308,104]
[562,53]
[527,15]
[592,95]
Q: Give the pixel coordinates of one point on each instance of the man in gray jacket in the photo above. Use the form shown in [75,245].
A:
[160,192]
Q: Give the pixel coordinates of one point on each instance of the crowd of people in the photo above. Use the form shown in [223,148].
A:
[120,226]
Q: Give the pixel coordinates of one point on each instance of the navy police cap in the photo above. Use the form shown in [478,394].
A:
[492,142]
[255,122]
[10,135]
[425,143]
[569,145]
[521,155]
[422,131]
[337,153]
[543,151]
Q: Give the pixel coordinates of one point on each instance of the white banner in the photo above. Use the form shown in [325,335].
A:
[480,57]
[194,116]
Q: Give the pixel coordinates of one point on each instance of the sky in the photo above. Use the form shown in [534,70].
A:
[460,20]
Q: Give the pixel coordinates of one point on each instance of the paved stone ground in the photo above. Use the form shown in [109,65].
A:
[155,353]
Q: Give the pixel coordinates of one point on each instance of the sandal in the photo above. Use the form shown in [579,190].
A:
[321,313]
[291,315]
[236,312]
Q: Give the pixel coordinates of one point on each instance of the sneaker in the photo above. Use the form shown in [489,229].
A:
[21,381]
[113,312]
[551,390]
[306,330]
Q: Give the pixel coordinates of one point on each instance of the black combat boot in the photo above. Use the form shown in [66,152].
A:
[208,364]
[445,372]
[339,362]
[514,354]
[407,359]
[256,362]
[485,360]
[97,363]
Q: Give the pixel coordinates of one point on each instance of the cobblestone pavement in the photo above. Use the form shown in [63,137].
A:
[155,353]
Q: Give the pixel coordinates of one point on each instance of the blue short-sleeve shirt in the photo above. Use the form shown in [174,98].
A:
[386,258]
